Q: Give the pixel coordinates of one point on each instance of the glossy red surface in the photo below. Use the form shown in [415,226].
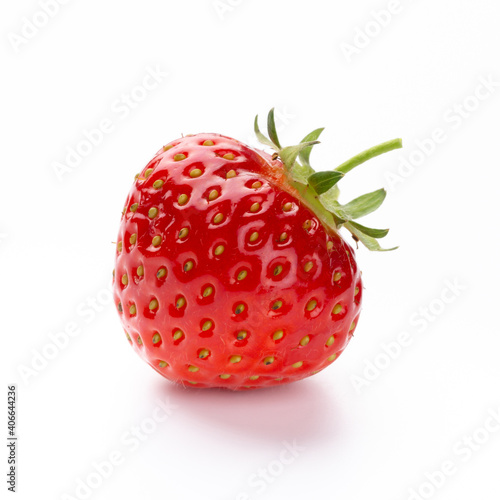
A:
[305,284]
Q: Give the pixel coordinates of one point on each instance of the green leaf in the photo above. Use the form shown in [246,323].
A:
[374,233]
[385,147]
[306,153]
[271,129]
[262,138]
[289,154]
[321,182]
[365,204]
[369,242]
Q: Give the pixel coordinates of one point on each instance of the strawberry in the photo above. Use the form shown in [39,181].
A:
[230,269]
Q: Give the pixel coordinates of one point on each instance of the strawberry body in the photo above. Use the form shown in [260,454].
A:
[224,277]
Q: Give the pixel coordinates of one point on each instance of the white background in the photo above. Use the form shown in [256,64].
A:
[375,439]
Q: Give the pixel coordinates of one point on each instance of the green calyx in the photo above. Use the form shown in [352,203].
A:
[320,191]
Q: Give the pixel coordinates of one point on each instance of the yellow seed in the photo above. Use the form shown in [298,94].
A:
[298,364]
[191,382]
[196,172]
[181,302]
[139,340]
[157,241]
[132,310]
[183,233]
[218,218]
[337,276]
[230,174]
[307,225]
[128,337]
[277,305]
[255,207]
[356,291]
[162,364]
[224,376]
[188,266]
[239,308]
[352,327]
[119,246]
[193,369]
[208,291]
[242,275]
[219,250]
[308,266]
[204,353]
[133,238]
[140,271]
[268,360]
[241,335]
[283,236]
[153,212]
[304,341]
[311,305]
[337,309]
[134,207]
[329,245]
[120,307]
[287,207]
[153,305]
[228,156]
[158,184]
[161,273]
[257,184]
[183,199]
[169,146]
[213,195]
[156,338]
[254,236]
[148,172]
[179,157]
[178,334]
[235,359]
[207,325]
[332,357]
[208,143]
[124,279]
[278,335]
[330,341]
[277,270]
[253,377]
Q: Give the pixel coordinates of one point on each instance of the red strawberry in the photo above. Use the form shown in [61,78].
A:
[230,271]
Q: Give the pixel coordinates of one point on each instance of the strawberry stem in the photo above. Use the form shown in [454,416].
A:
[360,158]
